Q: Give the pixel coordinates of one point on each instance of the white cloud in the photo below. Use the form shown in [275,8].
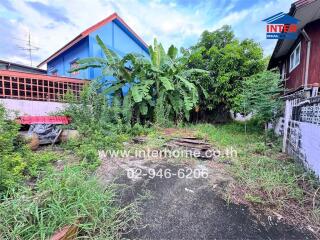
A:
[149,20]
[248,23]
[170,23]
[232,19]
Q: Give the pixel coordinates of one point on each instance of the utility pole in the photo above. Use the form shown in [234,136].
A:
[29,47]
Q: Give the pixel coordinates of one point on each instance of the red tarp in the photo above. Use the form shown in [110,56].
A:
[44,120]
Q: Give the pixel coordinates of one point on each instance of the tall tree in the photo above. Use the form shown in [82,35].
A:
[229,61]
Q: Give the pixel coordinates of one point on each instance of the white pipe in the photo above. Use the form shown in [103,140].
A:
[306,75]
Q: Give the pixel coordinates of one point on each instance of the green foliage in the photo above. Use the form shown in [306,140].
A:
[175,94]
[63,198]
[228,60]
[11,171]
[252,198]
[11,162]
[159,90]
[261,96]
[137,129]
[8,133]
[101,124]
[87,148]
[17,162]
[93,113]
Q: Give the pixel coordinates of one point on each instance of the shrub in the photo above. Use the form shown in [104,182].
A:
[11,162]
[17,162]
[138,129]
[101,125]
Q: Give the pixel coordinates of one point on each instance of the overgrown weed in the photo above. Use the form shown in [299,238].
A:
[265,176]
[63,198]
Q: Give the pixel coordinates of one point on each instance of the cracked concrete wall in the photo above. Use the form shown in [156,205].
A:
[304,144]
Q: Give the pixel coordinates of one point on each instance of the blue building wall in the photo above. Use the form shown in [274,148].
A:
[116,37]
[61,64]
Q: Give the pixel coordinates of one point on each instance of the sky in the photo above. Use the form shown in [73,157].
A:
[53,23]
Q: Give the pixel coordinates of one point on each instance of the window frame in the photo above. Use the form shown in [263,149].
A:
[74,61]
[283,71]
[292,61]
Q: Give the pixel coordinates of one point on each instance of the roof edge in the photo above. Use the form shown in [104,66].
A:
[22,65]
[89,30]
[65,47]
[280,41]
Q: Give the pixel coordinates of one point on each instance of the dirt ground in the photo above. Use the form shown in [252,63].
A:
[193,207]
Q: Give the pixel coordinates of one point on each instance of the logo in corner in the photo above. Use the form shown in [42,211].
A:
[282,26]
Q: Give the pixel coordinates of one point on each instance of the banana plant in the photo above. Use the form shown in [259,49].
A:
[161,82]
[172,82]
[112,65]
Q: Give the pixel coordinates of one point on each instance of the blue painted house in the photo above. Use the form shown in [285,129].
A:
[113,31]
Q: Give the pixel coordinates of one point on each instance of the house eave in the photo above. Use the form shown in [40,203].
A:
[306,11]
[22,66]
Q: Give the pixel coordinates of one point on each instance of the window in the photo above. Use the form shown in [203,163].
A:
[295,57]
[74,65]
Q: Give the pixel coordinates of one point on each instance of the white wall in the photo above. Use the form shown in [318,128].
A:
[31,108]
[310,143]
[240,117]
[304,144]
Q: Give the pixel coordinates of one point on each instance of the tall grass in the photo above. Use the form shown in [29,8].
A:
[267,175]
[63,198]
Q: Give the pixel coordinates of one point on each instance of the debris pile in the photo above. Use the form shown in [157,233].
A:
[196,147]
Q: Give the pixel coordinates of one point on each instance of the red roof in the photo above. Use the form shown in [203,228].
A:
[44,120]
[91,29]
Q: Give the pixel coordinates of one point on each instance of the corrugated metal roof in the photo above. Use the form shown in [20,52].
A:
[22,66]
[44,120]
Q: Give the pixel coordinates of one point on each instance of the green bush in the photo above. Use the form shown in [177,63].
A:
[101,124]
[17,162]
[137,129]
[12,164]
[88,147]
[11,170]
[62,198]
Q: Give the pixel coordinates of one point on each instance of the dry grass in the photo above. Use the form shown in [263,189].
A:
[267,180]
